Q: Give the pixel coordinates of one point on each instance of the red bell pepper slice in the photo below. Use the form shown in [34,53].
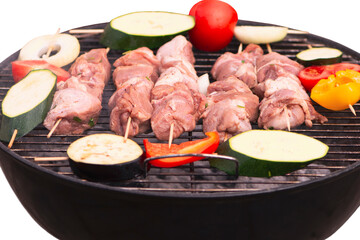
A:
[21,68]
[206,145]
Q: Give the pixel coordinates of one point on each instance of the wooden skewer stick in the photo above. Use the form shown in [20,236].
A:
[352,109]
[293,31]
[127,129]
[268,47]
[51,47]
[171,136]
[287,118]
[12,138]
[226,137]
[44,159]
[54,127]
[240,48]
[86,31]
[99,30]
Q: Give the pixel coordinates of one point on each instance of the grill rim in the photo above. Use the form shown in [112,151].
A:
[297,186]
[113,189]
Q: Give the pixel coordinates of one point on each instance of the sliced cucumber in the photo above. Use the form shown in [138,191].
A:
[260,34]
[319,56]
[27,103]
[145,29]
[105,156]
[266,153]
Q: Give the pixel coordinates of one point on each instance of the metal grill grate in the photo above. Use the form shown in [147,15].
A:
[341,133]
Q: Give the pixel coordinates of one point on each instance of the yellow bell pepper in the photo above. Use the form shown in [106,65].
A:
[338,92]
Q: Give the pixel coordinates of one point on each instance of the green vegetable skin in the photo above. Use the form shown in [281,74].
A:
[117,38]
[29,119]
[254,166]
[319,56]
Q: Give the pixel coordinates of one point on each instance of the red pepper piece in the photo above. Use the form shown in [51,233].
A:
[21,68]
[206,145]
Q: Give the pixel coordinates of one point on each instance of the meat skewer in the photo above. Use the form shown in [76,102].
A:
[240,65]
[285,103]
[176,99]
[286,113]
[130,105]
[231,105]
[77,101]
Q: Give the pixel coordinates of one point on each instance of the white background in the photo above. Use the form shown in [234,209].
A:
[21,21]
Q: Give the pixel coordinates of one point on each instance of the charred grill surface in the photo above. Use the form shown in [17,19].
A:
[341,133]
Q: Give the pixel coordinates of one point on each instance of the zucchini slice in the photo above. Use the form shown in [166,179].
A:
[319,56]
[266,153]
[260,34]
[145,29]
[27,103]
[105,156]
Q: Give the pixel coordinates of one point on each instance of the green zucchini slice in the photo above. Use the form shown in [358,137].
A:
[260,34]
[319,56]
[266,153]
[145,29]
[105,156]
[27,103]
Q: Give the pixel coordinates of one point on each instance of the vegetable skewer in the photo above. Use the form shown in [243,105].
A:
[45,56]
[349,105]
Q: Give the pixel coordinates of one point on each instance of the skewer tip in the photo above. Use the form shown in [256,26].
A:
[268,47]
[126,135]
[54,128]
[240,48]
[11,142]
[352,109]
[287,119]
[171,136]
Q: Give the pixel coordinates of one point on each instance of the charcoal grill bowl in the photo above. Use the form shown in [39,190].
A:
[72,209]
[69,208]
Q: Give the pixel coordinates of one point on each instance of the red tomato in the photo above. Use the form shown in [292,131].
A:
[21,68]
[214,25]
[310,76]
[344,66]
